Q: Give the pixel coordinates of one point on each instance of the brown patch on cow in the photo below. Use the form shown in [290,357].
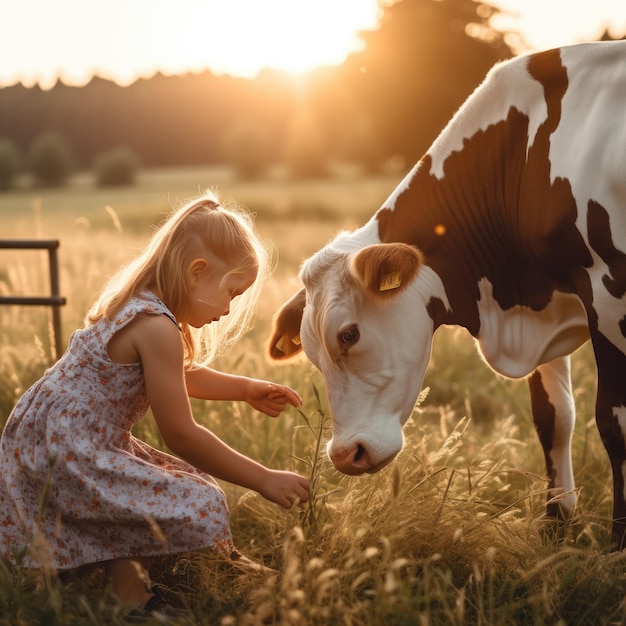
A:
[601,240]
[437,310]
[385,269]
[504,219]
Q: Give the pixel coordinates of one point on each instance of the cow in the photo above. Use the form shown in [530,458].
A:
[512,226]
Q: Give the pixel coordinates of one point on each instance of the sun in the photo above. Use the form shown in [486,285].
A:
[295,36]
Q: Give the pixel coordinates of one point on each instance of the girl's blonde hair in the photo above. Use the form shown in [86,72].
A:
[200,228]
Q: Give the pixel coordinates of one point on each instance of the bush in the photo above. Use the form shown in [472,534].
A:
[116,167]
[247,146]
[51,159]
[10,161]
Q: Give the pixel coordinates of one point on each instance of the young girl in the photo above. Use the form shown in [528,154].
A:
[76,487]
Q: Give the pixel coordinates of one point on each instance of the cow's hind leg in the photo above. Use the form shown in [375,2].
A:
[554,415]
[611,420]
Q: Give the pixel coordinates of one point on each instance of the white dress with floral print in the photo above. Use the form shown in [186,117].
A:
[77,486]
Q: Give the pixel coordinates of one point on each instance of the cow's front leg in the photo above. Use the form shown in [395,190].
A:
[554,415]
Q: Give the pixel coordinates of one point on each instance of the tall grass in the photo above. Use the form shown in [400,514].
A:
[452,532]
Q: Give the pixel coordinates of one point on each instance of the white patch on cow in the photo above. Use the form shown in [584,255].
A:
[356,240]
[506,86]
[587,148]
[514,342]
[620,414]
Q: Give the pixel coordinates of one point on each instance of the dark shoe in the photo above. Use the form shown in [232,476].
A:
[156,606]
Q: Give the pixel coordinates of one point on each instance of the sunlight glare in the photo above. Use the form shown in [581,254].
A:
[122,41]
[294,36]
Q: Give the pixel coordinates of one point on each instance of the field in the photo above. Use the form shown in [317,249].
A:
[451,533]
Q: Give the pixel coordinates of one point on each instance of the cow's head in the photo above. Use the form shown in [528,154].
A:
[362,320]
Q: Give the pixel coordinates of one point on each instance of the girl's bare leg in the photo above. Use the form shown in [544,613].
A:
[128,581]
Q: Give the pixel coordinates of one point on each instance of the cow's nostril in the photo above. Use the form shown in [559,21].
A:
[353,459]
[360,453]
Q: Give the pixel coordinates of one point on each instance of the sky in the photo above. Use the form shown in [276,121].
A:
[122,40]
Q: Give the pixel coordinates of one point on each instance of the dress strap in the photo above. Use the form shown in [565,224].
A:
[153,298]
[145,302]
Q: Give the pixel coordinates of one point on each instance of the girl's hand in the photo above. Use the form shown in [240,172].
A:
[285,488]
[270,398]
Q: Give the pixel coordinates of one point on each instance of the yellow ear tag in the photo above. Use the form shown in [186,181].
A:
[390,281]
[280,344]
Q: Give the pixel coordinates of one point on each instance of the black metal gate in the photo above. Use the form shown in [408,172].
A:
[54,300]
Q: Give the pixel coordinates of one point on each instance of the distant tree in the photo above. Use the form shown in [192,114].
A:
[116,167]
[607,36]
[418,67]
[10,162]
[248,147]
[51,160]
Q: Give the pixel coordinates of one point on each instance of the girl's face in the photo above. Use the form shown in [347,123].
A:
[211,295]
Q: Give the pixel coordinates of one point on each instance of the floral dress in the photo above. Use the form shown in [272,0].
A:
[76,487]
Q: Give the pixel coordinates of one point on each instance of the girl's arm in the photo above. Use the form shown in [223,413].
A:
[160,348]
[208,384]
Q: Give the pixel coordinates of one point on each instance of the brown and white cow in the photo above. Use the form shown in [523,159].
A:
[513,225]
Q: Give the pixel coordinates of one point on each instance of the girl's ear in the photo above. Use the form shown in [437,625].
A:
[195,269]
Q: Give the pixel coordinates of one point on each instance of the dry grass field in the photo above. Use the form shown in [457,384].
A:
[451,533]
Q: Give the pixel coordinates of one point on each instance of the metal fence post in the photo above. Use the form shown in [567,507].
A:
[55,300]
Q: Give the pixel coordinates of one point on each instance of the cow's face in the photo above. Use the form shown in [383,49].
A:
[363,323]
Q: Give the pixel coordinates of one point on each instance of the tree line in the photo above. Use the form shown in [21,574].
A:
[388,100]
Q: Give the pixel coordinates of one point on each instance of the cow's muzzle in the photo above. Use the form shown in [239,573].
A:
[355,459]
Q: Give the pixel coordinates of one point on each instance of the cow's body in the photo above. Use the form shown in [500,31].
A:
[515,222]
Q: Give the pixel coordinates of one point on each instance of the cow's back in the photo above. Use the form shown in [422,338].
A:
[588,148]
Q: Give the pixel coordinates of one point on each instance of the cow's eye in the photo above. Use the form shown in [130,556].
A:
[349,336]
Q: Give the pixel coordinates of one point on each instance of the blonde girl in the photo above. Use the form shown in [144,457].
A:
[107,496]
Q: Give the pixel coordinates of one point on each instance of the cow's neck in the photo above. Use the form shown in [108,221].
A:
[458,224]
[481,204]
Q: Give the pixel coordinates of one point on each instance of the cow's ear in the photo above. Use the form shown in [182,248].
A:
[385,269]
[285,339]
